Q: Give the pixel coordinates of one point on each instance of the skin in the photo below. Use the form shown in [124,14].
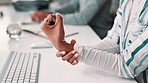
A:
[70,57]
[55,34]
[40,15]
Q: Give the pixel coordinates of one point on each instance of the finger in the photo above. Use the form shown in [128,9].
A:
[45,24]
[61,53]
[38,13]
[51,19]
[73,58]
[73,41]
[41,18]
[41,15]
[34,17]
[59,19]
[69,55]
[74,62]
[54,17]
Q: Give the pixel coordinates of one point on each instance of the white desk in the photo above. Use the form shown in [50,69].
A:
[52,69]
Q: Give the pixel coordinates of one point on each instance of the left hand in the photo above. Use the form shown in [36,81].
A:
[71,57]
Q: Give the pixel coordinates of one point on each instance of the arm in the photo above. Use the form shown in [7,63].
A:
[107,45]
[55,34]
[100,56]
[115,63]
[87,10]
[131,62]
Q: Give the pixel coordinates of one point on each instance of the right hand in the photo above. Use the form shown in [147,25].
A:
[55,32]
[40,15]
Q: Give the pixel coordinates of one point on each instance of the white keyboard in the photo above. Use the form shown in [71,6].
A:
[21,67]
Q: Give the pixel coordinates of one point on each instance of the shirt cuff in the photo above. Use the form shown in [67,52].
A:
[79,49]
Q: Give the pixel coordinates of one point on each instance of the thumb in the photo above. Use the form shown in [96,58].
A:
[73,41]
[59,19]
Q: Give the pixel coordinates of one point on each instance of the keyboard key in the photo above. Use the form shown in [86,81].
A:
[22,68]
[32,81]
[14,81]
[20,81]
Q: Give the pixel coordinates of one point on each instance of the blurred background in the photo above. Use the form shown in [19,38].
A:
[100,20]
[55,3]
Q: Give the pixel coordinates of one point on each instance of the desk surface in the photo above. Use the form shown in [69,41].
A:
[52,69]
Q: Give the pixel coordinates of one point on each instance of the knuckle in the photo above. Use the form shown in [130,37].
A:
[74,51]
[70,60]
[57,55]
[76,55]
[69,55]
[63,58]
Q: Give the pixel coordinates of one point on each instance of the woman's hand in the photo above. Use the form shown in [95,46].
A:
[53,27]
[40,14]
[71,57]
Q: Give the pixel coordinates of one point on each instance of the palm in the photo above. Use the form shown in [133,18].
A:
[55,34]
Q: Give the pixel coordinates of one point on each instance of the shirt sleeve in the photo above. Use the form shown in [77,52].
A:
[85,13]
[128,63]
[114,62]
[70,7]
[104,55]
[106,44]
[101,59]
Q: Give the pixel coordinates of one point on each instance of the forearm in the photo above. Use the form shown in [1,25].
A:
[103,60]
[120,64]
[104,55]
[106,44]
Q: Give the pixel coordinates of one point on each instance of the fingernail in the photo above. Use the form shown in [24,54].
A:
[59,14]
[73,52]
[74,62]
[63,52]
[76,55]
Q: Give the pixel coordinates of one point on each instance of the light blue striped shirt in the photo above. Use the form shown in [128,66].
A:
[125,50]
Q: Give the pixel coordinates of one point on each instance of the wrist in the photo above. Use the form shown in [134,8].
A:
[65,46]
